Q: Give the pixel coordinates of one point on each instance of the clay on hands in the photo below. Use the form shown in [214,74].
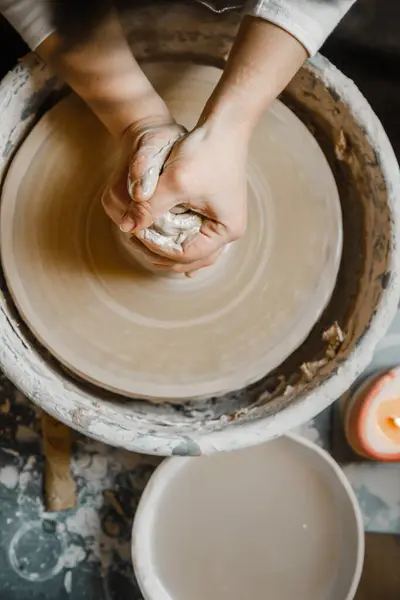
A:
[172,229]
[176,226]
[169,232]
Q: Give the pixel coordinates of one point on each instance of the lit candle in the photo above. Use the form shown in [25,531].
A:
[372,417]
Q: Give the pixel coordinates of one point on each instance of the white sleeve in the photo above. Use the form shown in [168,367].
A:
[31,18]
[309,21]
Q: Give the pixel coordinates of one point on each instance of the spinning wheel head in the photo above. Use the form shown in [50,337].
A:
[123,328]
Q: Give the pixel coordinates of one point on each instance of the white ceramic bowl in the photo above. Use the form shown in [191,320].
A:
[277,521]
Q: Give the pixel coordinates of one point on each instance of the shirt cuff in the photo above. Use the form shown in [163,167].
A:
[31,18]
[309,21]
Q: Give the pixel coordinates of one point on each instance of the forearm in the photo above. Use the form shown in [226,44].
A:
[103,72]
[263,60]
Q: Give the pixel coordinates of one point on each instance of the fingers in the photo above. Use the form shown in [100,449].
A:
[207,244]
[143,181]
[209,241]
[213,236]
[143,214]
[167,264]
[191,269]
[143,174]
[115,201]
[148,161]
[132,216]
[144,187]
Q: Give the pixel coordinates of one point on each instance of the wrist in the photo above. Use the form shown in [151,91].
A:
[140,125]
[228,115]
[222,134]
[138,114]
[263,60]
[227,118]
[236,105]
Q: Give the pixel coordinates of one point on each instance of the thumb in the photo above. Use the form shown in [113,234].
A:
[144,187]
[147,164]
[143,214]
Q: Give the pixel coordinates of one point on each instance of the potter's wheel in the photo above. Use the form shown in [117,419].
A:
[139,334]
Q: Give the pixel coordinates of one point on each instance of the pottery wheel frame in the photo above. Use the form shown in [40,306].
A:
[365,301]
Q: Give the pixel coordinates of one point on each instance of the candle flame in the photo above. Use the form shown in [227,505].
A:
[395,421]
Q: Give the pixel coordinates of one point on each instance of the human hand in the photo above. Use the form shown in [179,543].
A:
[205,172]
[145,147]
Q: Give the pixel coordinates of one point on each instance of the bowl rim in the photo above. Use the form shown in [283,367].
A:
[160,479]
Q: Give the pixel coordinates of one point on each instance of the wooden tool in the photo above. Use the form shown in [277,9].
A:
[59,487]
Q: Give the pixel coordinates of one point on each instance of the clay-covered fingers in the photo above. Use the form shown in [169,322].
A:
[143,214]
[145,148]
[213,236]
[149,155]
[209,242]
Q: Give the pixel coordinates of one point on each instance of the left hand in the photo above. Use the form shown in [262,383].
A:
[145,146]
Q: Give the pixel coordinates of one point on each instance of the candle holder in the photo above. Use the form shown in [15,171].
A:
[371,417]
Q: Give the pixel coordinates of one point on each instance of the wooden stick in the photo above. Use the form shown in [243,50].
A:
[59,487]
